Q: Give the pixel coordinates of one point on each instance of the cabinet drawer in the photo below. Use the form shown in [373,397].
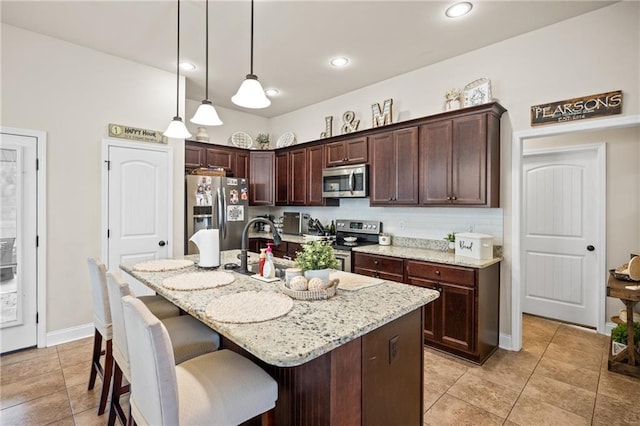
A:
[390,265]
[439,272]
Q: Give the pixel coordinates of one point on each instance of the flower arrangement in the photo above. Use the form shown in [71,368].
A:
[451,237]
[263,140]
[453,94]
[316,255]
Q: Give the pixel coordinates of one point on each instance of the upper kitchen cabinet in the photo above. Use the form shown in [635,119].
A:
[261,187]
[347,151]
[394,167]
[460,158]
[316,161]
[291,177]
[234,161]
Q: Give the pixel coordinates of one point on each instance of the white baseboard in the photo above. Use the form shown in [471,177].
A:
[504,342]
[66,335]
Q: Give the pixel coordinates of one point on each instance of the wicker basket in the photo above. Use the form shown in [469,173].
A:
[327,293]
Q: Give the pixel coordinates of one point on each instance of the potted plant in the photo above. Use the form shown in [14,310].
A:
[315,259]
[451,238]
[263,140]
[619,337]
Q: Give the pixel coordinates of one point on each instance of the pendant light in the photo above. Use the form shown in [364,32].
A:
[206,114]
[176,128]
[251,94]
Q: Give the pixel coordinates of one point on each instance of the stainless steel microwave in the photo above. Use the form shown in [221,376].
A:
[345,181]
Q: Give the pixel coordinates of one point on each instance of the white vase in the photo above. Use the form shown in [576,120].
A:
[323,274]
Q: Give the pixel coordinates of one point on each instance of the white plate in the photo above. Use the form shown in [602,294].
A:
[287,138]
[241,140]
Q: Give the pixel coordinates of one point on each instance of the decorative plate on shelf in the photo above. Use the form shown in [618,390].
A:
[241,140]
[287,138]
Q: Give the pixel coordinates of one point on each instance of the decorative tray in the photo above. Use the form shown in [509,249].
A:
[622,276]
[241,140]
[327,293]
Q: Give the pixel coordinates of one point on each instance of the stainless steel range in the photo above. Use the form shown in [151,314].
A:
[354,233]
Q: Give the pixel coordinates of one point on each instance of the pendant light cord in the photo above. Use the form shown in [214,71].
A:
[178,67]
[206,80]
[251,36]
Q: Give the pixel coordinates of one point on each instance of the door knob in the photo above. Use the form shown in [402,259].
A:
[590,247]
[162,243]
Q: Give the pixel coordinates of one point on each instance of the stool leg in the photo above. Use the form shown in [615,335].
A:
[95,358]
[117,390]
[268,418]
[106,378]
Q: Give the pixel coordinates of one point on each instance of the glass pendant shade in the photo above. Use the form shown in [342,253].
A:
[177,129]
[251,94]
[206,115]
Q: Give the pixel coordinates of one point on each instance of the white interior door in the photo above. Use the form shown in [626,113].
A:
[139,208]
[18,250]
[560,246]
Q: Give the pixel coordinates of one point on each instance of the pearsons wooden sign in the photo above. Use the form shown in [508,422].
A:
[599,105]
[136,133]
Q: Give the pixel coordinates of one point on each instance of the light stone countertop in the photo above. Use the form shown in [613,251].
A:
[310,329]
[417,253]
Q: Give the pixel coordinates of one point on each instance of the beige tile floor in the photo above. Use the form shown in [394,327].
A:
[560,377]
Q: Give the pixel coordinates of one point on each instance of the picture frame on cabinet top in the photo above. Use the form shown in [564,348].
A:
[477,92]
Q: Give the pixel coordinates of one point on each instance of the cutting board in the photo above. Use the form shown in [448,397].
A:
[349,281]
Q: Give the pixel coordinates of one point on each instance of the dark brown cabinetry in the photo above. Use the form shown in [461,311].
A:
[286,249]
[464,319]
[291,178]
[387,268]
[394,167]
[261,188]
[460,159]
[234,161]
[348,151]
[316,161]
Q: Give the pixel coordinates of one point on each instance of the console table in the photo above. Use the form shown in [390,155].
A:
[626,362]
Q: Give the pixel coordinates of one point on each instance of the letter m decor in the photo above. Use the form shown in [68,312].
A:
[381,118]
[592,106]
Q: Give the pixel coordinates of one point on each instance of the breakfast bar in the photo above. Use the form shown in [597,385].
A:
[354,359]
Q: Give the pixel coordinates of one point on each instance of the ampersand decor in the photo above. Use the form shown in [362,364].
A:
[350,122]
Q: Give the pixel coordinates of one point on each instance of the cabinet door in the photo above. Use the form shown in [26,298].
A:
[242,165]
[298,177]
[469,156]
[261,187]
[282,178]
[193,157]
[336,154]
[457,316]
[383,169]
[220,157]
[315,164]
[293,248]
[405,145]
[357,150]
[431,310]
[435,163]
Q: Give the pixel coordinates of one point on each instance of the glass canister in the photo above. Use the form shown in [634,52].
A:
[290,273]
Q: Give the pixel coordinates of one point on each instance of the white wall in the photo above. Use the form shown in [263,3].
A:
[72,93]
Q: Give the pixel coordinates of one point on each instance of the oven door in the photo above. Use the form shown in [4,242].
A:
[344,257]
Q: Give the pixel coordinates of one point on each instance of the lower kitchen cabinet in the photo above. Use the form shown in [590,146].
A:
[385,267]
[286,249]
[464,320]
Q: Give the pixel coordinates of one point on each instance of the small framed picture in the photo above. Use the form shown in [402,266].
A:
[477,92]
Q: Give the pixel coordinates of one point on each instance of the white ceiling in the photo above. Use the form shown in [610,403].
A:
[293,40]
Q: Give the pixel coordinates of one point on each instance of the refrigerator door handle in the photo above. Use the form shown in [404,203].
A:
[219,204]
[222,209]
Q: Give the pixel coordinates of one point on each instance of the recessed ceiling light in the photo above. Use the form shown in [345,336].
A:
[187,66]
[458,9]
[339,61]
[272,92]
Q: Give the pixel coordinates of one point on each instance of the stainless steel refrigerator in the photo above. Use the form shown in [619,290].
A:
[216,202]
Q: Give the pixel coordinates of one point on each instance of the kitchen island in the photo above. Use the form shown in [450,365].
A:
[353,359]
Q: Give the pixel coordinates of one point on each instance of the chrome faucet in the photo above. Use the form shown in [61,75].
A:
[245,241]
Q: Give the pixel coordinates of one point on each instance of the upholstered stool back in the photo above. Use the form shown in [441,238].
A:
[101,311]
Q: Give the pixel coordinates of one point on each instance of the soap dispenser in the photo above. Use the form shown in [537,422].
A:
[269,270]
[263,259]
